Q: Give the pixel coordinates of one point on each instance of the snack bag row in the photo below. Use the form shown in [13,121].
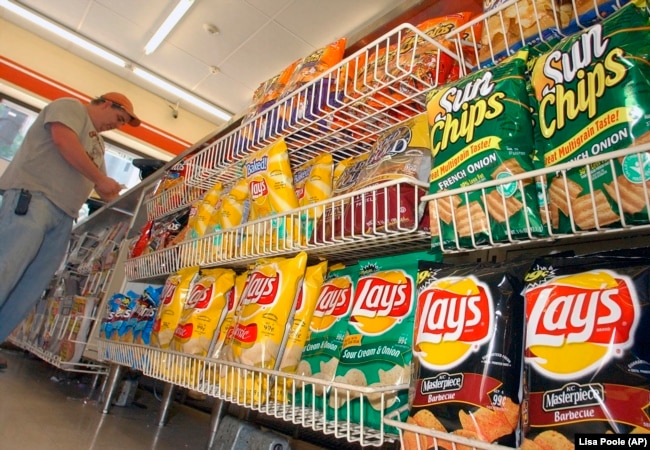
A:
[529,354]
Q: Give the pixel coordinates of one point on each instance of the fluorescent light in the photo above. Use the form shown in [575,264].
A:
[170,22]
[62,32]
[181,94]
[116,59]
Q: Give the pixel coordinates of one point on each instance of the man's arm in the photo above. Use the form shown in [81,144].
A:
[70,147]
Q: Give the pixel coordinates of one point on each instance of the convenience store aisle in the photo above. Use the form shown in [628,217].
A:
[40,411]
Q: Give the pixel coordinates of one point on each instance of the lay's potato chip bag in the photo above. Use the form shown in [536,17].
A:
[231,210]
[377,349]
[172,302]
[467,351]
[327,330]
[204,310]
[263,318]
[313,183]
[586,348]
[270,184]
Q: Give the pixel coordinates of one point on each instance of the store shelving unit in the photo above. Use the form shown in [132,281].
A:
[343,124]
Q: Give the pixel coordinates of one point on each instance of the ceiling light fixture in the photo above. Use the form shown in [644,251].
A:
[157,81]
[62,32]
[170,22]
[113,58]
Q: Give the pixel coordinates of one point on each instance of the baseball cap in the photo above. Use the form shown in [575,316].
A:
[125,103]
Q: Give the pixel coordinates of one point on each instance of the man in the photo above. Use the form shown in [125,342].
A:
[57,166]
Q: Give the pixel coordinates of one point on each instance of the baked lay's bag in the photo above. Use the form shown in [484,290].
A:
[205,307]
[480,130]
[592,92]
[377,348]
[172,302]
[587,347]
[232,210]
[264,318]
[299,331]
[467,352]
[313,183]
[401,153]
[327,330]
[270,184]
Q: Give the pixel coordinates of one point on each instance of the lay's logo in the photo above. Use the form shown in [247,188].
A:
[167,294]
[577,323]
[258,189]
[261,289]
[381,301]
[201,294]
[334,302]
[455,317]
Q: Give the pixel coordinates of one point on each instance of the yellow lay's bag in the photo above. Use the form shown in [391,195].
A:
[172,301]
[205,308]
[264,316]
[270,183]
[202,212]
[299,332]
[231,210]
[313,183]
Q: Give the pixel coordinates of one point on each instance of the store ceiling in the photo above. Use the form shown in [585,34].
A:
[256,39]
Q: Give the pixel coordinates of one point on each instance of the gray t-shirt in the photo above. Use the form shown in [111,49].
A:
[38,165]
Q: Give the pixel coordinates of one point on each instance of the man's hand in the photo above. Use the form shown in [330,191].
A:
[108,189]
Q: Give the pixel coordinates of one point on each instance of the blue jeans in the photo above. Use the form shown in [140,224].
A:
[31,250]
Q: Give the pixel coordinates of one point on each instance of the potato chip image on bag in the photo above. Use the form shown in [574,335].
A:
[467,349]
[327,330]
[602,109]
[480,130]
[377,348]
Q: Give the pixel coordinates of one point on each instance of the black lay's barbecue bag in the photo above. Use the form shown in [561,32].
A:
[467,353]
[587,346]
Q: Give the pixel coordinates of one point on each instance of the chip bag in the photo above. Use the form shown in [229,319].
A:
[377,349]
[480,130]
[327,330]
[313,184]
[264,318]
[172,302]
[592,92]
[270,183]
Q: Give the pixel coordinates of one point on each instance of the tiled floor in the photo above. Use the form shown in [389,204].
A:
[42,408]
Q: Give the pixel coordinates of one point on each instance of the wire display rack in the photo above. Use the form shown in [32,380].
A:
[262,390]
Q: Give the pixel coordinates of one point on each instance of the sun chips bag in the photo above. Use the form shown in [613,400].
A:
[480,130]
[592,92]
